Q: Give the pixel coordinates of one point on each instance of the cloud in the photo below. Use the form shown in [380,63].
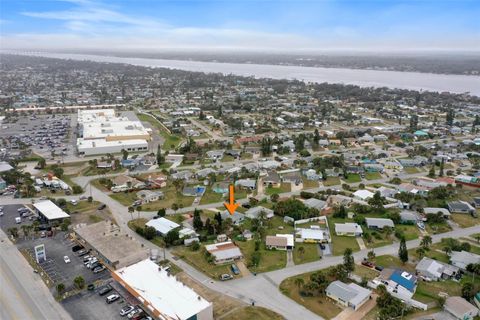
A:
[94,25]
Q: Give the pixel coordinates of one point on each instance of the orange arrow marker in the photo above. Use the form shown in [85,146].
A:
[232,206]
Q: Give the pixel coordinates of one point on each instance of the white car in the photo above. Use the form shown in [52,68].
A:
[66,259]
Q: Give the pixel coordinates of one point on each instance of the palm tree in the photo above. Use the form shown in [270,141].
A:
[420,253]
[426,242]
[130,210]
[447,250]
[25,230]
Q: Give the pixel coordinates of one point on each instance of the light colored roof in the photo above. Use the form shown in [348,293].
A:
[289,237]
[224,250]
[162,225]
[363,194]
[459,306]
[5,166]
[436,210]
[351,292]
[348,227]
[434,267]
[163,292]
[276,241]
[379,222]
[464,257]
[50,210]
[314,234]
[315,203]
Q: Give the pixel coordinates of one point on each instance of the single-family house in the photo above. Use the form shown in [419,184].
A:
[162,225]
[434,270]
[272,179]
[254,212]
[349,295]
[379,223]
[315,203]
[224,252]
[182,175]
[460,308]
[237,217]
[312,235]
[363,194]
[149,195]
[348,229]
[408,217]
[203,173]
[248,184]
[462,259]
[443,211]
[460,207]
[280,242]
[398,281]
[215,154]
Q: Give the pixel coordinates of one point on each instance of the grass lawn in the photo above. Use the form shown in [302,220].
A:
[211,197]
[171,142]
[353,178]
[246,155]
[257,313]
[284,187]
[373,176]
[428,291]
[310,184]
[365,272]
[92,171]
[464,220]
[340,243]
[332,181]
[323,306]
[197,259]
[310,254]
[227,158]
[270,259]
[276,225]
[411,170]
[437,228]
[409,231]
[171,197]
[388,261]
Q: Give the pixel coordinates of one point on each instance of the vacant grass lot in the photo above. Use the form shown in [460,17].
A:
[411,170]
[270,259]
[340,243]
[284,187]
[373,176]
[197,259]
[388,261]
[409,231]
[211,197]
[321,305]
[310,253]
[310,184]
[332,181]
[353,178]
[464,220]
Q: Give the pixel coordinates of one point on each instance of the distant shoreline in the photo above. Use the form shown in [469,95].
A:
[418,81]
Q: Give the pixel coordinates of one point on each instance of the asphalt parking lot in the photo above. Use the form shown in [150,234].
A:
[90,305]
[10,212]
[56,248]
[44,133]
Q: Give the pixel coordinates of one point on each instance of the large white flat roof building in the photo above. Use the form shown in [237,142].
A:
[163,295]
[50,210]
[102,131]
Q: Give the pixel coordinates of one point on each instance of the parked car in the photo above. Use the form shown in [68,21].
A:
[102,206]
[235,269]
[91,287]
[66,259]
[226,276]
[134,313]
[98,269]
[367,263]
[126,310]
[94,265]
[77,248]
[111,298]
[82,252]
[104,290]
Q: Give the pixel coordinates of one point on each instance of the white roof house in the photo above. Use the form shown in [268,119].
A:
[224,252]
[162,294]
[462,259]
[162,225]
[460,308]
[435,270]
[363,194]
[348,228]
[379,223]
[349,295]
[312,235]
[50,210]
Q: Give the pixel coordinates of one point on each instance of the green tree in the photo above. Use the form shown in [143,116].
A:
[161,212]
[149,232]
[426,242]
[60,288]
[42,163]
[376,202]
[299,282]
[402,251]
[468,291]
[124,154]
[371,256]
[175,207]
[420,253]
[431,172]
[171,237]
[197,220]
[160,157]
[79,282]
[450,118]
[348,261]
[440,173]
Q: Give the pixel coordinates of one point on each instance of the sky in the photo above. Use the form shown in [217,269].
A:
[263,25]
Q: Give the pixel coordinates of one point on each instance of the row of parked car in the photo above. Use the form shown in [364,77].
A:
[131,312]
[90,261]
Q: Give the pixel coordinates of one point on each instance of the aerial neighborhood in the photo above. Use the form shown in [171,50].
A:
[164,194]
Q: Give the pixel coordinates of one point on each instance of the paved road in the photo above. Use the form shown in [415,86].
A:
[24,296]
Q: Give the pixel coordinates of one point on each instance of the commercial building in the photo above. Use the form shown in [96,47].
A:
[162,225]
[49,211]
[162,294]
[349,295]
[102,131]
[113,247]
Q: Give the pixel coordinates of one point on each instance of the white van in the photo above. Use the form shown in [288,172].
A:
[18,220]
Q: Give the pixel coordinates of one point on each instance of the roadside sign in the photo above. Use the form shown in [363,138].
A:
[40,253]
